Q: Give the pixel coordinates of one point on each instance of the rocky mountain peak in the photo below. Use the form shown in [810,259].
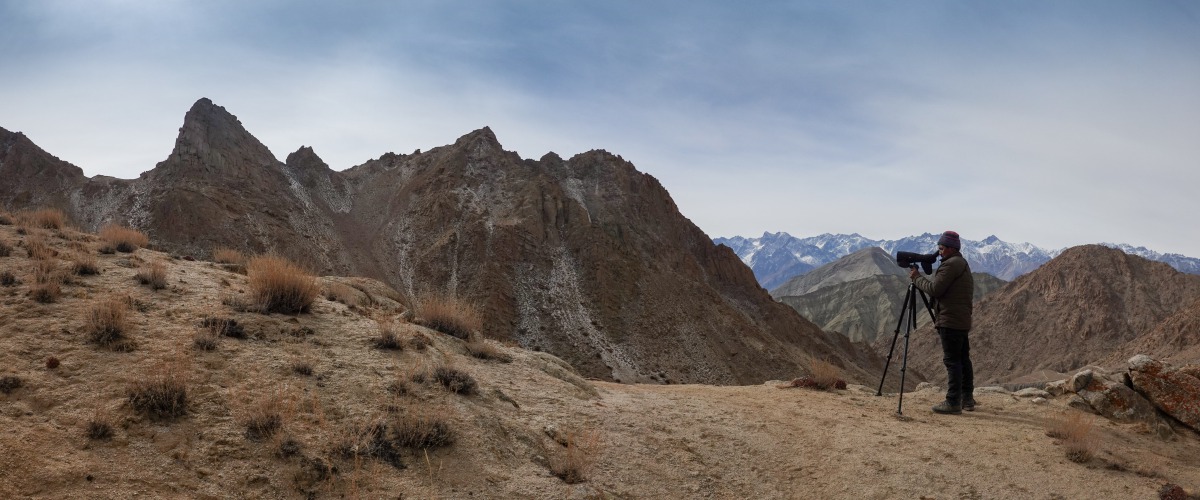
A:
[213,141]
[305,159]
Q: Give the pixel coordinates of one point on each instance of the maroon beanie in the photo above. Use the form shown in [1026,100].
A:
[950,239]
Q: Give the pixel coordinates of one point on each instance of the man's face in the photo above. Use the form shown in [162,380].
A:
[944,251]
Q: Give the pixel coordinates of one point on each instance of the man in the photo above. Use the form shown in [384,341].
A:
[952,289]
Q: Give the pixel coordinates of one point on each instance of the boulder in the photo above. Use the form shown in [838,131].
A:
[1113,399]
[1174,392]
[1031,392]
[1057,388]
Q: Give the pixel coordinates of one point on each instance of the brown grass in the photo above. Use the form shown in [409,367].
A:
[38,249]
[123,239]
[450,315]
[46,218]
[99,426]
[266,416]
[45,293]
[423,427]
[1075,429]
[574,460]
[10,383]
[340,292]
[279,285]
[5,219]
[7,278]
[226,255]
[481,349]
[160,394]
[85,264]
[108,322]
[455,380]
[5,249]
[389,336]
[153,275]
[825,374]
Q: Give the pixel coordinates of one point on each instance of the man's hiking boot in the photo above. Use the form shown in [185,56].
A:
[946,408]
[968,404]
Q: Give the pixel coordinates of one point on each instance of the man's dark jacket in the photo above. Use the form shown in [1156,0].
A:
[953,288]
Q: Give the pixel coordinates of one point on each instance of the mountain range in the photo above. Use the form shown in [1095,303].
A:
[778,257]
[586,258]
[861,295]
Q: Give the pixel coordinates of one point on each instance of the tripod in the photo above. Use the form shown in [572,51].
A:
[910,306]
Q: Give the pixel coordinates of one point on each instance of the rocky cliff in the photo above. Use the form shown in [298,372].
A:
[586,258]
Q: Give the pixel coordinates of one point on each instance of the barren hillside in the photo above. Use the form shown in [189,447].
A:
[347,409]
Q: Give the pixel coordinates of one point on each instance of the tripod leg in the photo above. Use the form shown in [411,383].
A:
[895,334]
[912,324]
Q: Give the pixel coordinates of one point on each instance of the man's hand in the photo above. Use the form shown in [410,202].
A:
[913,273]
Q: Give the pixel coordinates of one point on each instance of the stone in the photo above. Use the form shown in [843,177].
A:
[1174,392]
[1031,392]
[1057,388]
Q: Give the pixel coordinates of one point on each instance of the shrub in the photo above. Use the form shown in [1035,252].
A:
[46,218]
[302,367]
[423,428]
[826,375]
[99,427]
[7,278]
[10,383]
[205,340]
[226,255]
[483,350]
[108,322]
[161,394]
[227,327]
[450,316]
[153,275]
[5,249]
[389,336]
[1074,428]
[278,285]
[123,239]
[45,293]
[5,219]
[52,362]
[574,460]
[263,419]
[38,249]
[455,380]
[85,265]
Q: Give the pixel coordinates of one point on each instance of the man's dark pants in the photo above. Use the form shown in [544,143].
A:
[956,355]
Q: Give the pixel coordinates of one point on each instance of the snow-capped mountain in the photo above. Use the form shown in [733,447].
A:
[777,257]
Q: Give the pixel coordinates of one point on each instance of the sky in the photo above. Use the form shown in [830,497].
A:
[1053,123]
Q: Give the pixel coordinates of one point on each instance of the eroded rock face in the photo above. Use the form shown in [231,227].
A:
[585,258]
[1175,392]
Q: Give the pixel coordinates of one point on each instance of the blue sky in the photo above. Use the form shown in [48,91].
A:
[1054,123]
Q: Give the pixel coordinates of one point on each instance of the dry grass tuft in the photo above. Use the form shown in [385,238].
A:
[226,327]
[826,374]
[85,264]
[266,416]
[302,367]
[7,278]
[10,383]
[1075,429]
[46,218]
[108,322]
[52,363]
[5,219]
[389,336]
[124,239]
[206,340]
[278,285]
[450,316]
[226,255]
[340,292]
[455,380]
[38,249]
[423,427]
[100,426]
[45,293]
[153,275]
[574,461]
[162,393]
[5,249]
[481,349]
